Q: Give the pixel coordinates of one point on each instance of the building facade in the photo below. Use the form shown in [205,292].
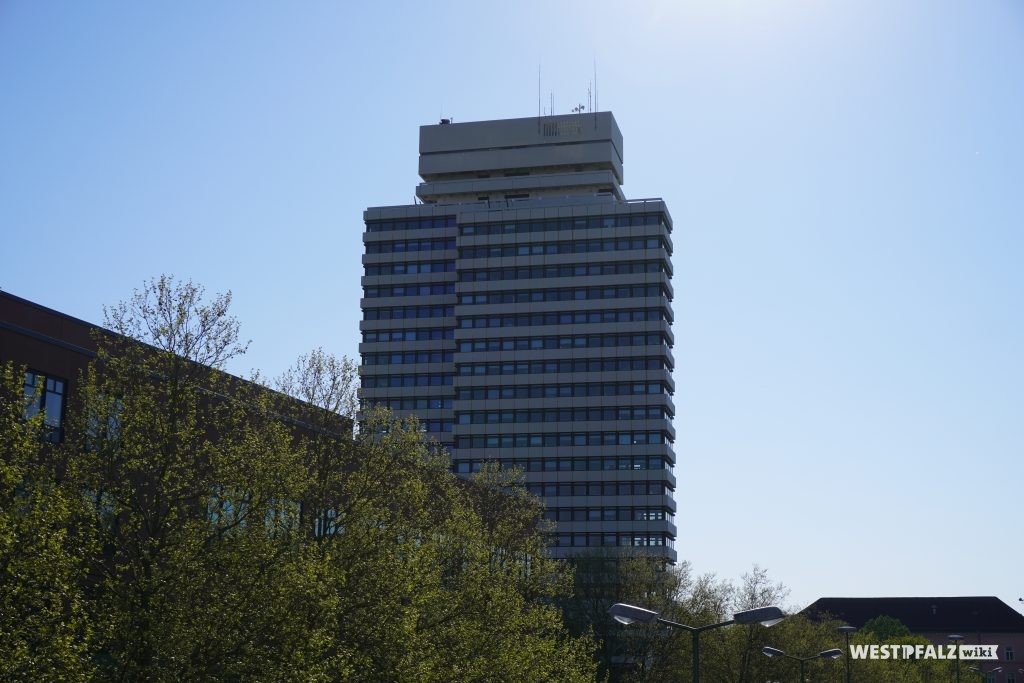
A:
[979,620]
[522,309]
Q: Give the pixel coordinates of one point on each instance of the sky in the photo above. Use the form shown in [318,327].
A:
[846,181]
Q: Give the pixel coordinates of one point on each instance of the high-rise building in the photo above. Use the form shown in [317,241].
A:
[522,310]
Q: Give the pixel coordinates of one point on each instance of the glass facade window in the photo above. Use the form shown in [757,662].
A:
[46,395]
[434,334]
[562,415]
[410,268]
[583,223]
[404,246]
[579,270]
[409,290]
[582,294]
[408,312]
[571,247]
[607,514]
[407,358]
[418,380]
[564,318]
[595,341]
[432,222]
[493,393]
[429,403]
[562,439]
[566,464]
[599,488]
[552,367]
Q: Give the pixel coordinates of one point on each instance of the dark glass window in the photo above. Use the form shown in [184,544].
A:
[45,394]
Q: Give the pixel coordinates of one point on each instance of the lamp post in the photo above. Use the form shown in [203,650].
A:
[824,654]
[984,674]
[956,638]
[631,614]
[846,631]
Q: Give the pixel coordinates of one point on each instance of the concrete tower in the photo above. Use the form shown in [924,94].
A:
[523,312]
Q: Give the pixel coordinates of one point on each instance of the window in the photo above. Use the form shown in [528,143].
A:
[45,394]
[327,523]
[1009,653]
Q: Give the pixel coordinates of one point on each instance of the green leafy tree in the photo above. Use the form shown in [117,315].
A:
[44,627]
[192,484]
[885,628]
[429,577]
[206,528]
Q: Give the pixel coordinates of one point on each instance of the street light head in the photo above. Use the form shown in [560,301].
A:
[772,652]
[847,629]
[996,670]
[631,614]
[831,654]
[766,616]
[955,636]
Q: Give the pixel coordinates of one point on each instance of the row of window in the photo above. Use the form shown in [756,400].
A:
[581,223]
[480,417]
[605,464]
[551,248]
[406,312]
[409,290]
[607,514]
[565,318]
[574,365]
[578,270]
[418,380]
[411,224]
[559,390]
[404,246]
[604,540]
[537,295]
[600,488]
[411,268]
[563,440]
[408,358]
[593,341]
[429,403]
[435,426]
[429,334]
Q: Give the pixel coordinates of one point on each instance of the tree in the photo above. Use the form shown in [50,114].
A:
[44,629]
[191,481]
[243,533]
[428,577]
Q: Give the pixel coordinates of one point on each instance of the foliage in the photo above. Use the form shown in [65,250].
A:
[730,654]
[226,531]
[884,628]
[44,630]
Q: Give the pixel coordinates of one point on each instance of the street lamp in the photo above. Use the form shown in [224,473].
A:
[956,638]
[824,654]
[846,631]
[984,674]
[631,614]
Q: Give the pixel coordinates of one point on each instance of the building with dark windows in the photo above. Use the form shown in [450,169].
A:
[980,620]
[523,311]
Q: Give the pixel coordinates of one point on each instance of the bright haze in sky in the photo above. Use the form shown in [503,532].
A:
[846,181]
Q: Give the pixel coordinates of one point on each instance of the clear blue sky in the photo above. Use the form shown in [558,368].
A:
[846,179]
